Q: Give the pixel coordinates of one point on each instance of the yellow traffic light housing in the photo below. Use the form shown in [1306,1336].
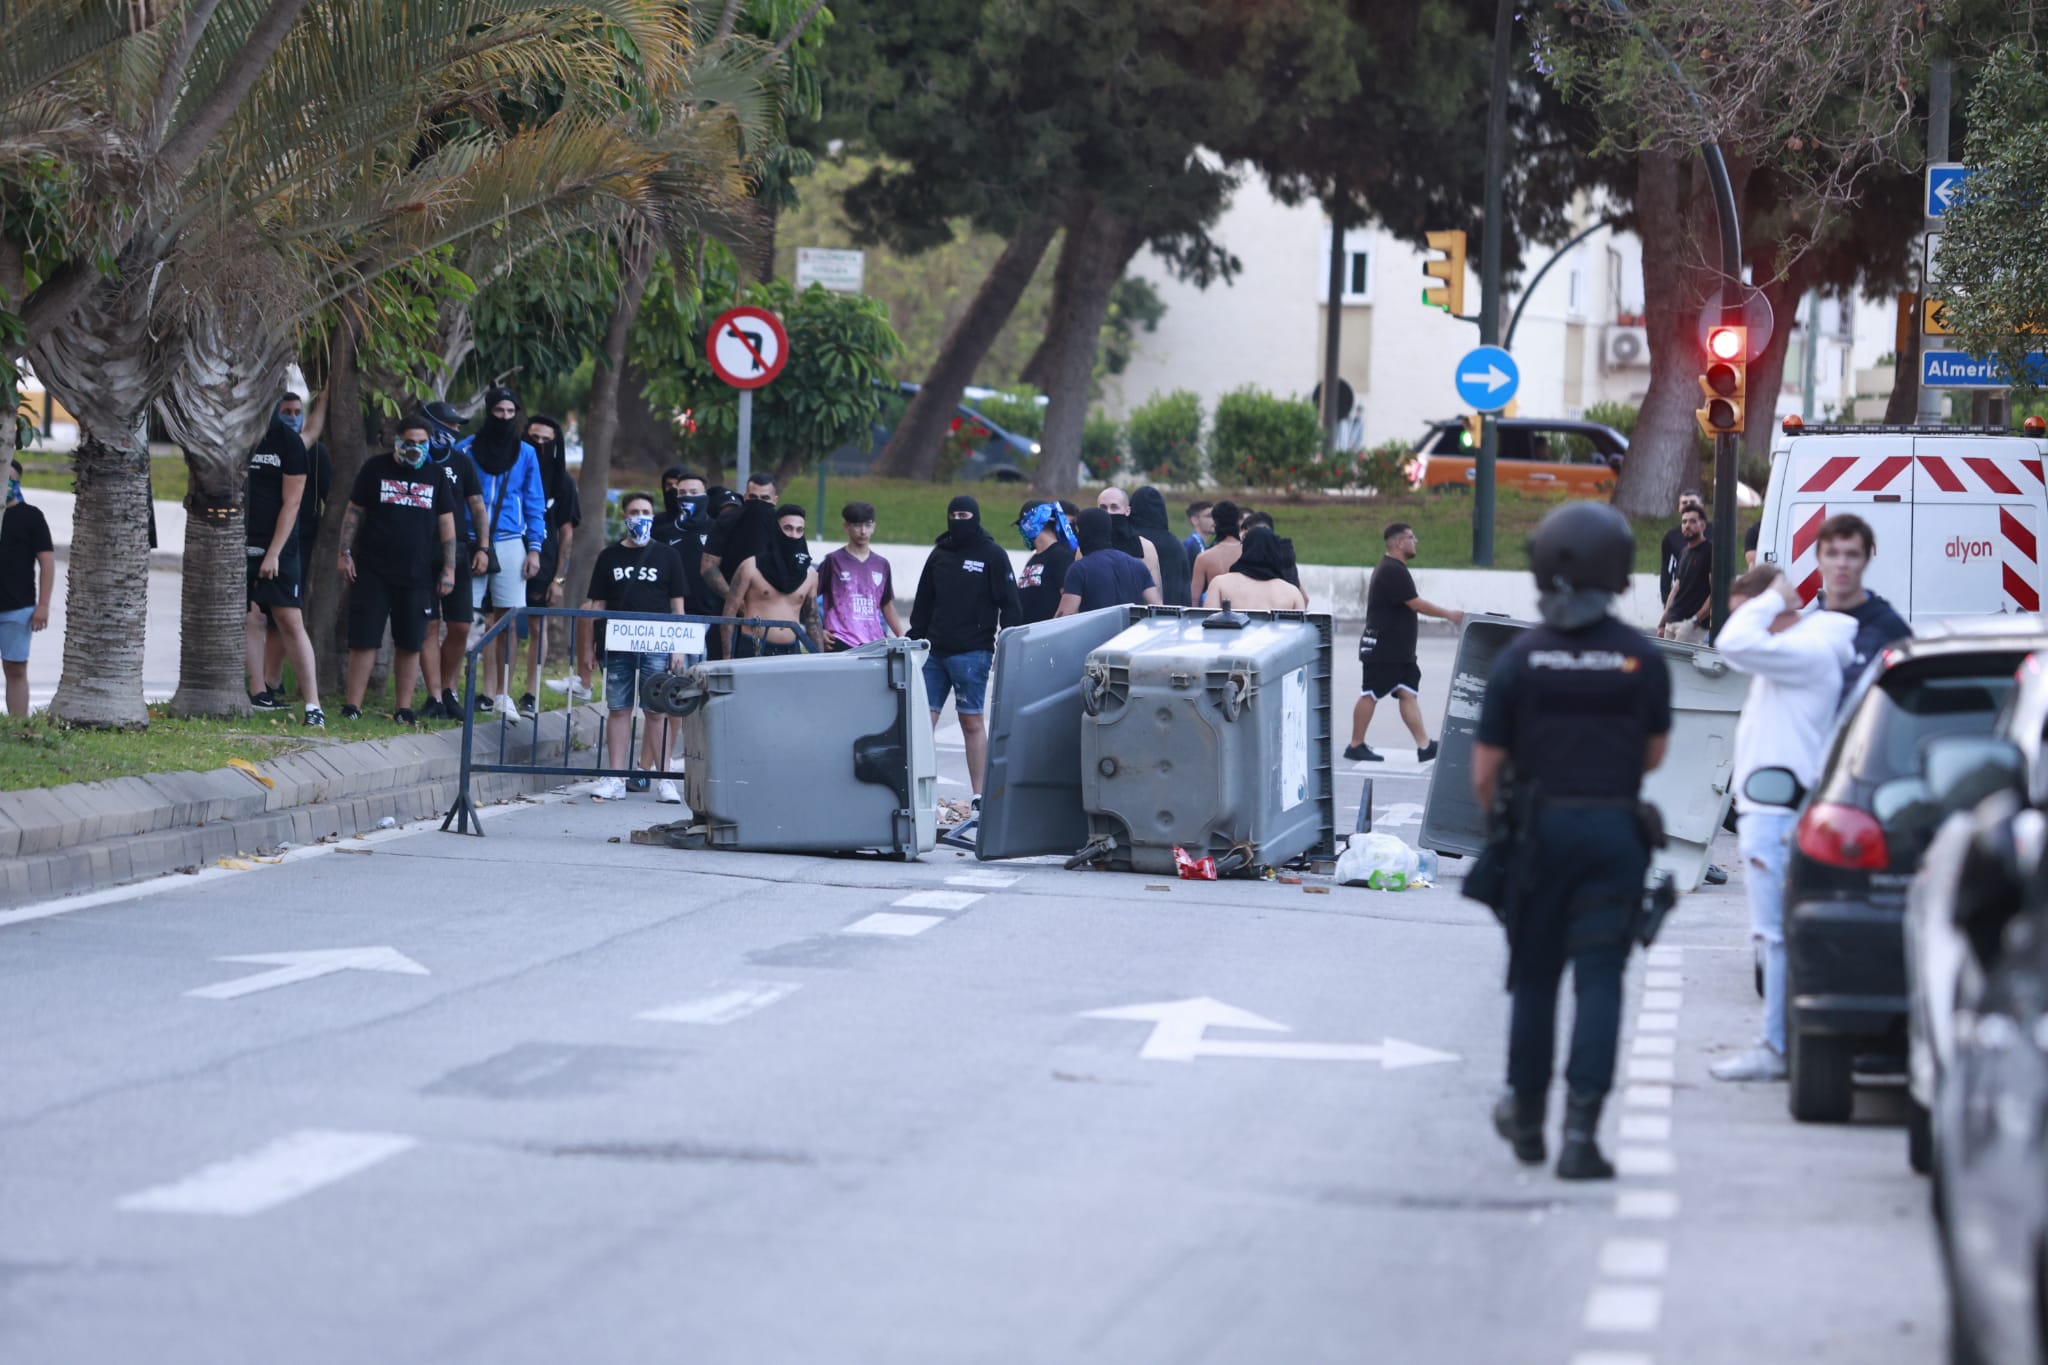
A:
[1450,295]
[1474,428]
[1724,386]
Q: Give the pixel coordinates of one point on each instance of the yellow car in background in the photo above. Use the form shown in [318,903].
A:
[1541,456]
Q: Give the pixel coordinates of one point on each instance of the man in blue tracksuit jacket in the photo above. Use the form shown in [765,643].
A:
[513,492]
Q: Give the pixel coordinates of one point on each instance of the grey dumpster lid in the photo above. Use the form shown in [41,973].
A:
[1031,792]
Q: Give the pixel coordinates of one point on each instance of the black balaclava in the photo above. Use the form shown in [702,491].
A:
[1094,529]
[749,536]
[1123,534]
[783,559]
[672,503]
[553,455]
[496,447]
[1261,557]
[963,536]
[1148,509]
[1226,516]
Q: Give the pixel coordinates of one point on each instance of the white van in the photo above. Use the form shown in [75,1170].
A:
[1957,511]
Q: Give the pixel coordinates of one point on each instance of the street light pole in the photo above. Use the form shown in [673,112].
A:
[1489,278]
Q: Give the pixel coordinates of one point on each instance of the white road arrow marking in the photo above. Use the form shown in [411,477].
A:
[306,966]
[1494,377]
[1178,1027]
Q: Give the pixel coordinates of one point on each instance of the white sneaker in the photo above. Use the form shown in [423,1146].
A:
[609,789]
[505,707]
[666,793]
[1761,1063]
[572,685]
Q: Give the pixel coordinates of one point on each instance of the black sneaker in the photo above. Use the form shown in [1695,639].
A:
[432,710]
[316,719]
[404,716]
[1427,753]
[484,706]
[1717,875]
[1359,753]
[529,706]
[267,700]
[450,707]
[351,712]
[638,784]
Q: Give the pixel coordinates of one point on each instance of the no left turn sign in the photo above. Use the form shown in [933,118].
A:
[747,347]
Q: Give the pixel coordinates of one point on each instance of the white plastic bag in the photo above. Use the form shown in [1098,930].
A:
[1380,861]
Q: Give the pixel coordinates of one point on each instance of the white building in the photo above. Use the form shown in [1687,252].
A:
[1580,340]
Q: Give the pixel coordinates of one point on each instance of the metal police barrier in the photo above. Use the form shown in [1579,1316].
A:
[543,758]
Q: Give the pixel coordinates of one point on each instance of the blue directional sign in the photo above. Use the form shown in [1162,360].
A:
[1944,183]
[1954,370]
[1487,378]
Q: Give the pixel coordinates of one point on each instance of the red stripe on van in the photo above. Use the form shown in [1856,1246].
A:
[1887,470]
[2032,467]
[2016,535]
[1803,538]
[2021,591]
[1944,477]
[1810,589]
[1994,477]
[1824,477]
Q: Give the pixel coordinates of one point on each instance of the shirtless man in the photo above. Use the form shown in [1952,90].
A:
[1113,501]
[1218,558]
[1254,582]
[777,582]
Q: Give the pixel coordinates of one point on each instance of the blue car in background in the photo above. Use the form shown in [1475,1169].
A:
[1005,457]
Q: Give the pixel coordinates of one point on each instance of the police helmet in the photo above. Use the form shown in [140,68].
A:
[1583,545]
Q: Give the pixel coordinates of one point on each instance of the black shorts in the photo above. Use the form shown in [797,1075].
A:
[754,647]
[458,608]
[372,601]
[544,577]
[286,589]
[1384,680]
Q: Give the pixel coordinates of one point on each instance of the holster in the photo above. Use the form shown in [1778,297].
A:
[1500,871]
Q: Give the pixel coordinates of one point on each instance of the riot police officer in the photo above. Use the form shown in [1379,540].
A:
[1575,712]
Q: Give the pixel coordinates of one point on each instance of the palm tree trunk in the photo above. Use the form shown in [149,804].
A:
[913,449]
[101,364]
[211,677]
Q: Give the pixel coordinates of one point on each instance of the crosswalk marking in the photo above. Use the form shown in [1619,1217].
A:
[994,881]
[890,925]
[938,900]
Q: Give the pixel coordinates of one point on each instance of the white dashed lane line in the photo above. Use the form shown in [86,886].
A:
[728,1001]
[891,925]
[948,901]
[289,1168]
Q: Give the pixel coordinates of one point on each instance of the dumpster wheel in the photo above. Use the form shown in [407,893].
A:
[1094,850]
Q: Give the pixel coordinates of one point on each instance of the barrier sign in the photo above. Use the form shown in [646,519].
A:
[654,637]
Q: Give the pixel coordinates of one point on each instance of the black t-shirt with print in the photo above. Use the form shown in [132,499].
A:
[24,534]
[280,456]
[463,484]
[1043,576]
[401,512]
[637,577]
[1389,621]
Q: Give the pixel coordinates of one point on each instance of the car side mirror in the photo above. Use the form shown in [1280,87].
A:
[1961,770]
[1774,787]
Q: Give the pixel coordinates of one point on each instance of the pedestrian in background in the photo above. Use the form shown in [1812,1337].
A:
[1103,576]
[966,593]
[275,487]
[28,573]
[776,583]
[1575,712]
[1124,532]
[1257,581]
[509,470]
[636,573]
[1672,550]
[1386,650]
[1225,517]
[856,589]
[1787,719]
[398,553]
[447,642]
[1148,516]
[1251,521]
[564,513]
[1049,535]
[1691,598]
[1843,549]
[1200,527]
[312,508]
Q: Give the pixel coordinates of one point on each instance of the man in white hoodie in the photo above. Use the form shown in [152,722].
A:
[1797,659]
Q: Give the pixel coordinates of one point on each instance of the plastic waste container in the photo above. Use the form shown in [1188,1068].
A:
[1690,789]
[1209,732]
[811,753]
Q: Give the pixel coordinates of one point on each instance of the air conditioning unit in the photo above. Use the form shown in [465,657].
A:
[1628,348]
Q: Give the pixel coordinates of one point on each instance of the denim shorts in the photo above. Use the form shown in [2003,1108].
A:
[622,672]
[965,676]
[15,634]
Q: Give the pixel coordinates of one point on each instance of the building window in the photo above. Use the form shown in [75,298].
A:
[1358,263]
[1575,290]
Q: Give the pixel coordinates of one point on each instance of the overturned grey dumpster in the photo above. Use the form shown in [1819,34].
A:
[810,753]
[1690,788]
[1123,734]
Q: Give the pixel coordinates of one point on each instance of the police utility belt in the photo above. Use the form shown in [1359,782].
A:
[1500,872]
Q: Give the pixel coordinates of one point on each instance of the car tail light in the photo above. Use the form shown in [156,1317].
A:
[1842,836]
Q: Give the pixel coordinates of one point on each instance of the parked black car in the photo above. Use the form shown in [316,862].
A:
[1859,839]
[1004,457]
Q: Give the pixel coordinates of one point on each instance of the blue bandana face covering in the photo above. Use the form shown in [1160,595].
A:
[412,454]
[638,529]
[1039,517]
[14,490]
[293,422]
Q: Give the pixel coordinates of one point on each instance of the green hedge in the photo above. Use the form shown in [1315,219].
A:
[1164,438]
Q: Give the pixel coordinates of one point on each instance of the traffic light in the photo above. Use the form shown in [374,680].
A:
[1723,388]
[1474,428]
[1450,295]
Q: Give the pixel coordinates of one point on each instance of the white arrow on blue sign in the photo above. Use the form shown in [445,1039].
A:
[1487,378]
[1944,183]
[1954,370]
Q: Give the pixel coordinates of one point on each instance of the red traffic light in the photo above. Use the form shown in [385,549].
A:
[1728,343]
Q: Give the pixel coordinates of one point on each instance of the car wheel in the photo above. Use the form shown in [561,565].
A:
[1919,1138]
[1006,476]
[1822,1086]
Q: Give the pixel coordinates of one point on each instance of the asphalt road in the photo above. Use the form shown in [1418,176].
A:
[603,1102]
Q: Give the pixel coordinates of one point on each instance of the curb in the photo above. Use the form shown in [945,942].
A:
[88,836]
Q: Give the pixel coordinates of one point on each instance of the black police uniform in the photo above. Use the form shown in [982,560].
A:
[1575,709]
